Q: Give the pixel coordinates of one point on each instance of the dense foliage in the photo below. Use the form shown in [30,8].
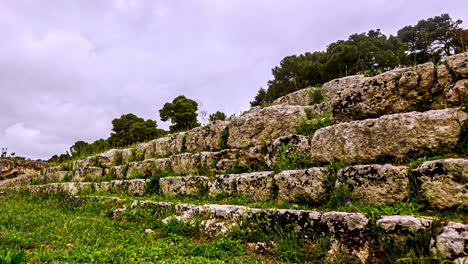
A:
[368,54]
[127,130]
[217,116]
[182,112]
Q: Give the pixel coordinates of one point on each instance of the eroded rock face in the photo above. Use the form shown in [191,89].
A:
[375,183]
[263,124]
[186,186]
[147,168]
[302,97]
[304,185]
[256,185]
[10,167]
[459,64]
[87,174]
[444,181]
[332,87]
[396,91]
[118,172]
[224,185]
[293,143]
[54,176]
[175,143]
[110,158]
[403,224]
[187,163]
[206,138]
[135,187]
[451,243]
[394,136]
[127,155]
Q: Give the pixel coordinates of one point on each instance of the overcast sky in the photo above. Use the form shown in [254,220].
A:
[67,68]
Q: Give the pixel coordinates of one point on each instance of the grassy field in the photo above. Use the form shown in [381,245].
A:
[68,230]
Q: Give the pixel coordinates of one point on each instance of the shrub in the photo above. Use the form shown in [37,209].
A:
[313,123]
[12,257]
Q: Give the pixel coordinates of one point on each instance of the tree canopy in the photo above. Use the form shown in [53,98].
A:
[130,129]
[182,112]
[217,116]
[366,53]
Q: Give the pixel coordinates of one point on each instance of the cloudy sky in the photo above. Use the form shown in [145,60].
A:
[67,68]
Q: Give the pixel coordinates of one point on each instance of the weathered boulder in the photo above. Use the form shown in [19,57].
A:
[147,168]
[87,174]
[118,172]
[444,182]
[206,138]
[128,155]
[187,163]
[263,124]
[459,64]
[224,185]
[291,143]
[375,183]
[304,185]
[302,97]
[13,167]
[403,224]
[402,90]
[135,187]
[176,143]
[390,136]
[110,158]
[54,176]
[184,186]
[455,95]
[451,243]
[332,87]
[256,185]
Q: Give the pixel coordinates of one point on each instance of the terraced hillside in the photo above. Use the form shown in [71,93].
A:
[379,170]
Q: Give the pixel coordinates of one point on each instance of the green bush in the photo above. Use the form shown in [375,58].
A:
[289,159]
[313,123]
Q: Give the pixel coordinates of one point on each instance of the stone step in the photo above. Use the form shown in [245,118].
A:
[354,231]
[373,183]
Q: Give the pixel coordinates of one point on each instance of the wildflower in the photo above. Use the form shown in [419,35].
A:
[422,204]
[69,248]
[347,200]
[406,66]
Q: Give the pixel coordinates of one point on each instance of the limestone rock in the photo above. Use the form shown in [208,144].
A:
[256,185]
[146,150]
[332,87]
[147,167]
[186,186]
[296,143]
[304,185]
[397,135]
[127,155]
[110,158]
[119,172]
[88,174]
[224,185]
[444,181]
[174,146]
[264,124]
[455,95]
[451,243]
[135,187]
[265,247]
[205,138]
[161,147]
[187,163]
[376,183]
[346,227]
[55,176]
[403,224]
[302,97]
[459,64]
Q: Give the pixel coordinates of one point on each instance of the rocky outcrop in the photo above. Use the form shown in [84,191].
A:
[444,182]
[302,185]
[375,184]
[206,138]
[302,97]
[263,124]
[403,224]
[291,143]
[13,167]
[392,136]
[402,90]
[256,185]
[184,186]
[147,168]
[87,174]
[459,64]
[452,242]
[335,86]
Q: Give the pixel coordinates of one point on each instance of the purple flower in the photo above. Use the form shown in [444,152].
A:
[406,66]
[422,204]
[147,260]
[347,200]
[69,248]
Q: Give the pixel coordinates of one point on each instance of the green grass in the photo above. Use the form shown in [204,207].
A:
[55,230]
